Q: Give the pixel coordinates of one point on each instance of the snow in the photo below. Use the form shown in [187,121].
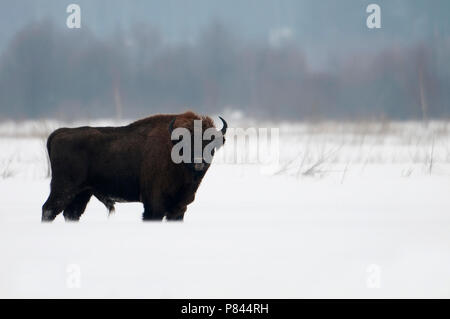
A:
[370,220]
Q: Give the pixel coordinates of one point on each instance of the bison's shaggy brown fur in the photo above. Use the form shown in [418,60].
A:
[122,164]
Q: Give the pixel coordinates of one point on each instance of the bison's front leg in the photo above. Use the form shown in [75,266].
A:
[152,196]
[152,212]
[176,214]
[76,208]
[176,219]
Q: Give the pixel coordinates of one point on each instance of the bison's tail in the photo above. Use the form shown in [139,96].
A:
[110,206]
[49,147]
[108,203]
[49,142]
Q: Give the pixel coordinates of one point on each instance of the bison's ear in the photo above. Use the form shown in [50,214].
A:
[171,126]
[174,141]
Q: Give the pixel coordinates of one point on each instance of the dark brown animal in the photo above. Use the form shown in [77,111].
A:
[123,164]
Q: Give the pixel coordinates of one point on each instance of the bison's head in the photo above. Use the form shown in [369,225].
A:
[195,140]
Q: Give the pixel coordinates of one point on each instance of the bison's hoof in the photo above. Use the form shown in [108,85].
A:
[47,216]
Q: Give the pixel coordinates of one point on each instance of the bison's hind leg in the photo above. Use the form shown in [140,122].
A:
[77,207]
[55,204]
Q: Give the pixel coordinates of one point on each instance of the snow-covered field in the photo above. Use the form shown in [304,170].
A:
[352,210]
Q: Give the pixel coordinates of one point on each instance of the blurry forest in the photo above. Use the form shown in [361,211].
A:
[48,70]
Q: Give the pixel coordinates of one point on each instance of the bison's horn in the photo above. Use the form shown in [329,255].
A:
[225,126]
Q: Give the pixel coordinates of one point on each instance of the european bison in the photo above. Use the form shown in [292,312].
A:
[132,163]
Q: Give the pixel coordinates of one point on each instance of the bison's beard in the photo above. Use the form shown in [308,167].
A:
[199,167]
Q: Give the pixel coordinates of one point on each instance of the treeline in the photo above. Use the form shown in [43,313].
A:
[49,71]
